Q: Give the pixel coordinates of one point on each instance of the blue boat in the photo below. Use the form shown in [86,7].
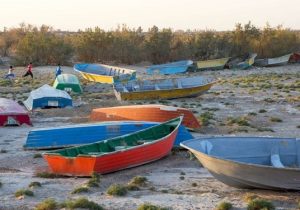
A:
[250,162]
[170,68]
[48,97]
[74,135]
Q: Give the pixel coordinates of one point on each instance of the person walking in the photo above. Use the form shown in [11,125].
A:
[58,70]
[29,71]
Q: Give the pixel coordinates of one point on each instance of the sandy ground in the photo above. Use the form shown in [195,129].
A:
[255,96]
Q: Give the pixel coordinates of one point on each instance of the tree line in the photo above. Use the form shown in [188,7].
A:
[43,45]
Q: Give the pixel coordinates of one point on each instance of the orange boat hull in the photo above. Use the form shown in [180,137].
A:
[152,113]
[85,166]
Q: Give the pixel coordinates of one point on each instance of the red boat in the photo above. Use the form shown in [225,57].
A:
[117,153]
[11,113]
[295,58]
[152,113]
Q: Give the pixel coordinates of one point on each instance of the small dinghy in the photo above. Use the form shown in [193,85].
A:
[250,162]
[67,82]
[117,153]
[170,68]
[268,62]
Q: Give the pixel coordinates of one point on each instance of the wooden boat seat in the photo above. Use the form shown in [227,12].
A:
[179,85]
[156,87]
[206,146]
[275,158]
[125,89]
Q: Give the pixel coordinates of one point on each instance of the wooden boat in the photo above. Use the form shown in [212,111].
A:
[152,113]
[295,58]
[11,113]
[74,135]
[170,68]
[250,162]
[267,62]
[48,97]
[105,73]
[247,63]
[117,153]
[67,82]
[162,88]
[215,64]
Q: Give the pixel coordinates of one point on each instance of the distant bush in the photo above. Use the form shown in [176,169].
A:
[224,206]
[81,203]
[117,190]
[23,192]
[48,204]
[148,206]
[259,204]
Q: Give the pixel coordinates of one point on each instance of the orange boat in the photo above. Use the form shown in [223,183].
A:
[152,113]
[117,153]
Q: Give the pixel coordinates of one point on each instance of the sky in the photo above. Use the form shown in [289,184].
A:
[219,15]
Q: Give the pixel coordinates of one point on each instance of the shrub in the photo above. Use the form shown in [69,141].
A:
[80,190]
[138,181]
[48,204]
[259,204]
[148,206]
[117,190]
[262,111]
[275,119]
[224,206]
[48,175]
[35,184]
[23,192]
[94,180]
[81,203]
[38,155]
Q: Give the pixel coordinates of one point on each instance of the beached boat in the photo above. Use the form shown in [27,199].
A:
[11,113]
[162,88]
[170,68]
[74,135]
[105,73]
[152,113]
[246,63]
[48,97]
[295,58]
[117,153]
[250,162]
[279,61]
[67,82]
[215,64]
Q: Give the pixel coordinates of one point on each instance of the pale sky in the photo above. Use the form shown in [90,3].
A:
[176,14]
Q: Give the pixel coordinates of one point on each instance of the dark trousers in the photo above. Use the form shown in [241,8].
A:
[28,73]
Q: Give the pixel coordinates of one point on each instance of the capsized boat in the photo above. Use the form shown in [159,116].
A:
[163,88]
[74,135]
[170,68]
[11,113]
[117,153]
[152,113]
[250,162]
[215,64]
[267,62]
[105,73]
[67,82]
[48,97]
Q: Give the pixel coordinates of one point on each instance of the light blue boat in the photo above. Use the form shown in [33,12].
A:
[250,162]
[170,68]
[74,135]
[48,97]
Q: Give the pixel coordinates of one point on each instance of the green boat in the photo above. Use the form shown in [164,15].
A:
[67,82]
[216,64]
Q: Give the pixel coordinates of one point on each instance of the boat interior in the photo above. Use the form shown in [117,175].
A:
[146,136]
[275,152]
[163,84]
[102,69]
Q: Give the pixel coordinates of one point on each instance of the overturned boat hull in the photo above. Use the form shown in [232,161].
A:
[269,62]
[215,64]
[170,68]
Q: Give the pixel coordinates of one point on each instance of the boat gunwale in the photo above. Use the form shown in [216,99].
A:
[127,149]
[207,157]
[131,72]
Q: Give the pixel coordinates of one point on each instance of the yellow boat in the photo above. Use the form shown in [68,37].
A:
[105,73]
[212,64]
[163,88]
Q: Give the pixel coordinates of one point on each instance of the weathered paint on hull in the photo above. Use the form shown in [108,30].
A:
[98,78]
[152,113]
[269,62]
[111,162]
[163,94]
[247,63]
[216,64]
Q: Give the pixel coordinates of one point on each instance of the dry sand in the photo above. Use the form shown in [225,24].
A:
[175,181]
